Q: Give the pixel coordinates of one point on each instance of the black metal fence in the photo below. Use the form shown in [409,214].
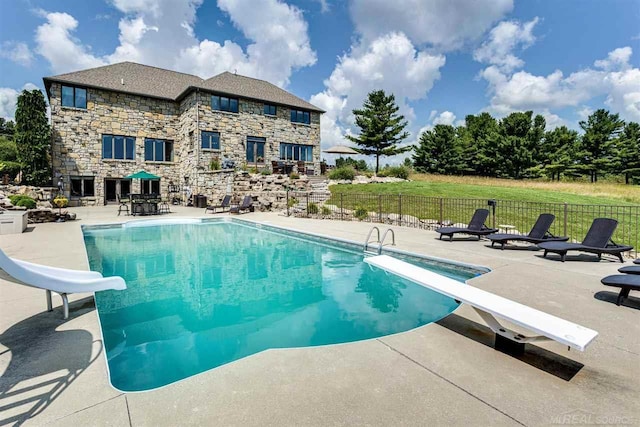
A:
[432,212]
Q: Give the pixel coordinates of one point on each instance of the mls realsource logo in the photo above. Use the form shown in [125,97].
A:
[587,418]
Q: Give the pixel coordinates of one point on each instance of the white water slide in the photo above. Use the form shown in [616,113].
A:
[59,280]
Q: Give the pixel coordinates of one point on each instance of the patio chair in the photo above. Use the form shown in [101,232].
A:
[630,269]
[245,206]
[597,241]
[476,226]
[302,167]
[224,205]
[538,234]
[626,283]
[59,280]
[123,205]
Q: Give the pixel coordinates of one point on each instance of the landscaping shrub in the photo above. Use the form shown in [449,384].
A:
[22,200]
[361,213]
[265,172]
[347,173]
[10,168]
[326,211]
[401,172]
[312,208]
[214,165]
[294,175]
[292,202]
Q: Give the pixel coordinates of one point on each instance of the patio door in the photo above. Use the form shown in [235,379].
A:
[150,186]
[114,187]
[255,149]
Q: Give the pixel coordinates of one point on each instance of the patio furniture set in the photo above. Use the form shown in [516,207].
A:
[598,240]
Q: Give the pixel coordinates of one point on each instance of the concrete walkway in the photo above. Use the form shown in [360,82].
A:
[447,373]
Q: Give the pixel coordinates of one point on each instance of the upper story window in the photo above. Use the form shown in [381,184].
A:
[210,140]
[222,103]
[158,150]
[300,116]
[118,147]
[74,97]
[270,109]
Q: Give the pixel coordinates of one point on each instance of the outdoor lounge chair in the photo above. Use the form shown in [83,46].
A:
[488,305]
[476,226]
[538,234]
[59,280]
[626,283]
[597,241]
[224,205]
[630,269]
[245,206]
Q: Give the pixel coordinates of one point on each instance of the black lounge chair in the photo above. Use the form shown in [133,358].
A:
[245,206]
[476,226]
[538,234]
[636,261]
[597,241]
[626,283]
[224,205]
[630,269]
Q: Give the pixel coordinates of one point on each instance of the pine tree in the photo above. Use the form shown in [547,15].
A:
[599,142]
[629,152]
[32,138]
[381,127]
[439,151]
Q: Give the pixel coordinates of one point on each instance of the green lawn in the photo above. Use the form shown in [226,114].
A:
[473,191]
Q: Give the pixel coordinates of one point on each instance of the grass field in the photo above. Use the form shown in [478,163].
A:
[504,189]
[520,202]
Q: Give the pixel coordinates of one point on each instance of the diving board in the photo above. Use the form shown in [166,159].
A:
[488,305]
[59,280]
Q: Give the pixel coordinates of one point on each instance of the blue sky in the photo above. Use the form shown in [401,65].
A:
[442,59]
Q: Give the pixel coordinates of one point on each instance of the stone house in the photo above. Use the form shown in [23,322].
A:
[110,122]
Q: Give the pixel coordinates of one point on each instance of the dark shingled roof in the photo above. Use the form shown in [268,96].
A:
[156,82]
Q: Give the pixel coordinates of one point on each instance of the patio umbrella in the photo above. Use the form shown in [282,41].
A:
[142,175]
[340,149]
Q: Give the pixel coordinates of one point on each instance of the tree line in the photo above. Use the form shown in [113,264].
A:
[25,145]
[516,146]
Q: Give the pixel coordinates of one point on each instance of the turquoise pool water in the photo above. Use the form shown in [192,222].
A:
[203,294]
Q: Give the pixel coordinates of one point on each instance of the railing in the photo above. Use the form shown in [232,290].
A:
[432,212]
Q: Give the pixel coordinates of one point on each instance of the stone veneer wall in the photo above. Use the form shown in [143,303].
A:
[77,137]
[250,121]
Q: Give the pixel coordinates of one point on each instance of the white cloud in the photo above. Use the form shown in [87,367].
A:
[280,43]
[503,39]
[445,118]
[160,33]
[324,5]
[446,24]
[55,43]
[617,80]
[391,63]
[9,98]
[17,52]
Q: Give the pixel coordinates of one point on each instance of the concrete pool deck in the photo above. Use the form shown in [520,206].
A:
[53,372]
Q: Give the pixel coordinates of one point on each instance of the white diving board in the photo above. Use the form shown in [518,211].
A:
[59,280]
[488,305]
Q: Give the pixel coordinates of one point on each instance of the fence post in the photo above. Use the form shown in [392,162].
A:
[400,209]
[564,222]
[379,207]
[288,214]
[341,211]
[308,205]
[441,219]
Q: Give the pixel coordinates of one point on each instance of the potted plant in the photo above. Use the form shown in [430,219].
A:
[61,202]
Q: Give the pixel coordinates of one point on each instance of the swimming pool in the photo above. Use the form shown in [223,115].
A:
[202,293]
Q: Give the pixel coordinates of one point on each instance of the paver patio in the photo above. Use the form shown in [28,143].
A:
[54,371]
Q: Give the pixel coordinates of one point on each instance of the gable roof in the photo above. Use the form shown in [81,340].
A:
[144,80]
